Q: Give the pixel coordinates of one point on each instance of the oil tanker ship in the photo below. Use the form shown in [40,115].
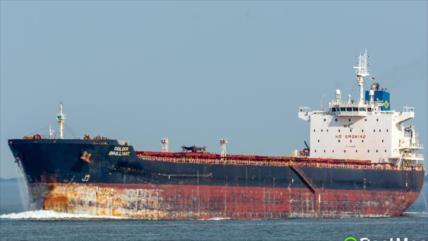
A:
[362,161]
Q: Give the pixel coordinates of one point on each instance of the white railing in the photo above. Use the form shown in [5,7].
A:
[304,109]
[408,109]
[413,156]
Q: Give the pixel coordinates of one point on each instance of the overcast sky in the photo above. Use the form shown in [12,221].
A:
[198,71]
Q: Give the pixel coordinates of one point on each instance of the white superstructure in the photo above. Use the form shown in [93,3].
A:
[365,129]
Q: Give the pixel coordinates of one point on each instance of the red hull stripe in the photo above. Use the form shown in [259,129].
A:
[263,203]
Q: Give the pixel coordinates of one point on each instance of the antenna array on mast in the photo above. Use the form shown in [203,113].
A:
[362,71]
[361,68]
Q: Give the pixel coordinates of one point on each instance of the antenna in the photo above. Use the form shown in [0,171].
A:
[61,119]
[51,132]
[321,102]
[362,72]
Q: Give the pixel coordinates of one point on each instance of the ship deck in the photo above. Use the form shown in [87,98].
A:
[259,160]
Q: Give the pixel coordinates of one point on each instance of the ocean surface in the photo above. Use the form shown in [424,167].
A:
[16,223]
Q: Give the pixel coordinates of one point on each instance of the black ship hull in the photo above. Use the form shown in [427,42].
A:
[105,178]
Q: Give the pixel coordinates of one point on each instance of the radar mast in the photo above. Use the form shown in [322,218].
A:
[362,72]
[61,119]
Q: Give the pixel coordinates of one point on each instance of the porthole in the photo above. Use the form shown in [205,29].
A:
[386,130]
[365,119]
[362,141]
[315,150]
[368,150]
[338,130]
[344,151]
[380,130]
[377,119]
[321,130]
[325,119]
[385,151]
[362,130]
[318,141]
[335,119]
[350,130]
[332,151]
[377,150]
[324,151]
[338,141]
[356,150]
[382,141]
[374,130]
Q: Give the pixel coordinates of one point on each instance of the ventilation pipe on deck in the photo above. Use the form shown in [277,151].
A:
[165,144]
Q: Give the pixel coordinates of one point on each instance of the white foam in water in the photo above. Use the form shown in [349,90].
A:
[52,215]
[218,219]
[423,214]
[215,219]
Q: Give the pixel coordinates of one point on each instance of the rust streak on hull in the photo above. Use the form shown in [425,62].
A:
[165,202]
